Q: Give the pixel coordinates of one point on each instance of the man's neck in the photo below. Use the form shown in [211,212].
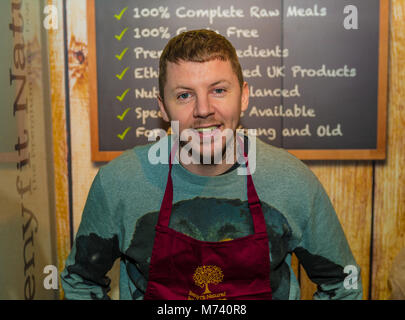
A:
[212,169]
[207,169]
[215,169]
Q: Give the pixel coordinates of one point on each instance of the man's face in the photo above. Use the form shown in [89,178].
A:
[206,97]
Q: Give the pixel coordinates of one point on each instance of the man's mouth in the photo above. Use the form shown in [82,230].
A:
[208,131]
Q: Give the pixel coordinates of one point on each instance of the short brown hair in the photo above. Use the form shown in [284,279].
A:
[198,46]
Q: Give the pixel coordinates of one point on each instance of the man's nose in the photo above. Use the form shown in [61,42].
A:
[203,107]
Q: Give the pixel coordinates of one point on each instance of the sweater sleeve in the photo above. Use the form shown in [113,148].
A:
[94,250]
[325,253]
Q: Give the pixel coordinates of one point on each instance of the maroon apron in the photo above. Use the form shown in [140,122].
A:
[182,267]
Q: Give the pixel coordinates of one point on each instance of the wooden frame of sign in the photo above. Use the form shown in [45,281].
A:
[96,154]
[379,153]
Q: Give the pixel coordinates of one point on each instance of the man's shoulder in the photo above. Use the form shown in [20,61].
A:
[279,165]
[273,157]
[127,165]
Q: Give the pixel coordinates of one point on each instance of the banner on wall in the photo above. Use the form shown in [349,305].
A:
[27,236]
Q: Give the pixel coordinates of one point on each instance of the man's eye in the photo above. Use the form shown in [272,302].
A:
[183,96]
[219,91]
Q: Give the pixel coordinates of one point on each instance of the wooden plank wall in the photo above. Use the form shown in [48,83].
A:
[389,181]
[59,136]
[83,169]
[369,196]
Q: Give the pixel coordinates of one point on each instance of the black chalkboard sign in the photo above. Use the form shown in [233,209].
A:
[317,70]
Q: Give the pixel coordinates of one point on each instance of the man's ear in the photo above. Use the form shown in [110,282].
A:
[244,96]
[163,109]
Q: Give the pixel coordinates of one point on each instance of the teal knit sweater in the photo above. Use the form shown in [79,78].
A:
[123,206]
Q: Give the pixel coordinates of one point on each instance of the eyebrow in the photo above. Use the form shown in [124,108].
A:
[218,82]
[211,85]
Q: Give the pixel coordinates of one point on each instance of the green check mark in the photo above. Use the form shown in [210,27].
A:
[122,135]
[121,34]
[121,55]
[120,76]
[119,16]
[122,116]
[121,97]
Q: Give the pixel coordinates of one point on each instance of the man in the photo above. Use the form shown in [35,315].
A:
[198,229]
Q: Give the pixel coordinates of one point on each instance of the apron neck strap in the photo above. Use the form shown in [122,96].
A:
[253,199]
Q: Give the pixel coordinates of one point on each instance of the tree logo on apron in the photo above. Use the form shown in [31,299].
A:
[204,276]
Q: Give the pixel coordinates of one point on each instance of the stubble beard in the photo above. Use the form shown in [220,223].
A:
[198,153]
